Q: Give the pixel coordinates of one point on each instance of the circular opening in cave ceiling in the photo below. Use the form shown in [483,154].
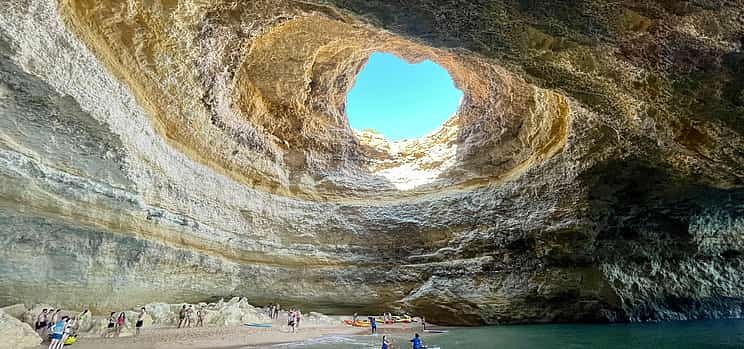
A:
[400,100]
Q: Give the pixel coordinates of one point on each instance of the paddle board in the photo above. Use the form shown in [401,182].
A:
[251,324]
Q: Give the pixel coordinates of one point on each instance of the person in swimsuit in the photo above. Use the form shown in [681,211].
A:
[182,316]
[41,322]
[385,343]
[200,317]
[110,327]
[291,321]
[189,315]
[120,322]
[140,321]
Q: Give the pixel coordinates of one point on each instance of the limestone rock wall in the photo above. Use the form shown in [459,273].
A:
[184,150]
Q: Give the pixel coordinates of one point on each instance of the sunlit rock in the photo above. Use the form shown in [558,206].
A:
[178,151]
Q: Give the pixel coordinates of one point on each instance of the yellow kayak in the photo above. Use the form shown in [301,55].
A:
[70,340]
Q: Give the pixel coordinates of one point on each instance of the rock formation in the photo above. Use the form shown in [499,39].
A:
[16,334]
[183,150]
[236,311]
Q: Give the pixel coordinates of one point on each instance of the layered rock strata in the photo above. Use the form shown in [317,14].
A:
[184,150]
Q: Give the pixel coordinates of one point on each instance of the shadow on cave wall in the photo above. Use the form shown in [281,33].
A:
[628,197]
[648,227]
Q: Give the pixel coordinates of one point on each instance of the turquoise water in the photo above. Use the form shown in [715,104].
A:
[672,335]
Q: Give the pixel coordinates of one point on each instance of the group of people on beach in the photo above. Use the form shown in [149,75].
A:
[116,322]
[52,324]
[273,311]
[186,316]
[294,316]
[293,319]
[58,327]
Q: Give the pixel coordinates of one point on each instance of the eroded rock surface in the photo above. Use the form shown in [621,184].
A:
[16,334]
[184,150]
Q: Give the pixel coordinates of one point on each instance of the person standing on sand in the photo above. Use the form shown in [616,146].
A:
[58,330]
[111,323]
[276,311]
[140,321]
[291,321]
[41,323]
[298,317]
[69,324]
[55,318]
[385,343]
[189,315]
[182,316]
[120,322]
[373,324]
[200,317]
[81,319]
[423,323]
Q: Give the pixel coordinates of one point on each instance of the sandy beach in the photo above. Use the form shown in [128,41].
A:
[226,337]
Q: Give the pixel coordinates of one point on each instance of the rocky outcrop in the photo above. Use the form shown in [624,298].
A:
[16,334]
[236,311]
[186,150]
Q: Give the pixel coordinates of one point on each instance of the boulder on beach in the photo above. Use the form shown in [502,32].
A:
[15,310]
[15,334]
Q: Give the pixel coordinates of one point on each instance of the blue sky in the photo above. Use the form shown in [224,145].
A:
[401,100]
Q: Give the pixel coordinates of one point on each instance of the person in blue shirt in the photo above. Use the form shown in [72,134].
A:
[385,343]
[373,324]
[417,344]
[58,330]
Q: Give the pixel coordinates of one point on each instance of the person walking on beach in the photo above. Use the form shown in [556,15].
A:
[120,322]
[276,311]
[385,343]
[140,321]
[110,327]
[182,316]
[298,317]
[41,322]
[417,343]
[200,317]
[423,323]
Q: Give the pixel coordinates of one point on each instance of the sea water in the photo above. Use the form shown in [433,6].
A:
[672,335]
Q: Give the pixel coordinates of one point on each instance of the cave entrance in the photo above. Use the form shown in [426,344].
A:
[401,100]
